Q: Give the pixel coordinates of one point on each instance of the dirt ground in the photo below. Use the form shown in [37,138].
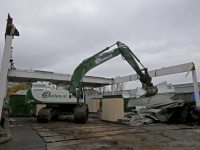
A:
[95,134]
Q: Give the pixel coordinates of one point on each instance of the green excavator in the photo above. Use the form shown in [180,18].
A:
[71,100]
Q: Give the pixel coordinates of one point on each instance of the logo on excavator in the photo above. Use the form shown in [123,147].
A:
[48,94]
[99,60]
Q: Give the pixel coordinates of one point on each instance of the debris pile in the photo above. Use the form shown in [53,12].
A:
[12,124]
[160,107]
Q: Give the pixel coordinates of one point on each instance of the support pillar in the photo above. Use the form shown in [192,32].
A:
[112,89]
[196,89]
[5,65]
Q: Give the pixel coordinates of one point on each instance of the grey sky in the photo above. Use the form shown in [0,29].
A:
[57,35]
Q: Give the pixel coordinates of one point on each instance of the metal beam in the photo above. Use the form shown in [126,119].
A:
[156,73]
[196,89]
[37,75]
[112,89]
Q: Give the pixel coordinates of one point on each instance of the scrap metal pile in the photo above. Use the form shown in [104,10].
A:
[160,107]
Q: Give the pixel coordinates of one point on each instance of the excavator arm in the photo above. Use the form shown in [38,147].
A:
[102,57]
[145,79]
[88,64]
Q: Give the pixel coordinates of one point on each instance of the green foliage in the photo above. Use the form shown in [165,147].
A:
[16,88]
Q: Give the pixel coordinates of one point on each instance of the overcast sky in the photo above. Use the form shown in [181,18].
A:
[58,35]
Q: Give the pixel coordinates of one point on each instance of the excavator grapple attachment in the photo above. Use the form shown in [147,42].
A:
[151,90]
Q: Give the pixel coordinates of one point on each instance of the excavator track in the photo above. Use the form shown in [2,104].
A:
[46,114]
[81,114]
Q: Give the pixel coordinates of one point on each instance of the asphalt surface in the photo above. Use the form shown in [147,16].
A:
[24,137]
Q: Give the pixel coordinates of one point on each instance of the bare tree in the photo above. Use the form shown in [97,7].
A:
[119,86]
[90,91]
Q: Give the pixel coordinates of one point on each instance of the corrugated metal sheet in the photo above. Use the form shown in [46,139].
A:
[162,83]
[162,89]
[152,101]
[162,99]
[138,92]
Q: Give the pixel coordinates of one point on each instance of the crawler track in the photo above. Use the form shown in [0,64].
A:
[81,115]
[46,114]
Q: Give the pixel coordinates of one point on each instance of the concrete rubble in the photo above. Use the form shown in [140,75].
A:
[160,107]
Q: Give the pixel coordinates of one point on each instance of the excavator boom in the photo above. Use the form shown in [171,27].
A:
[104,56]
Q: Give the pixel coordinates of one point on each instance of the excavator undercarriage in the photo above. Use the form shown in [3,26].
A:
[46,114]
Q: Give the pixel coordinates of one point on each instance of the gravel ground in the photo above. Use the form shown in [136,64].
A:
[95,134]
